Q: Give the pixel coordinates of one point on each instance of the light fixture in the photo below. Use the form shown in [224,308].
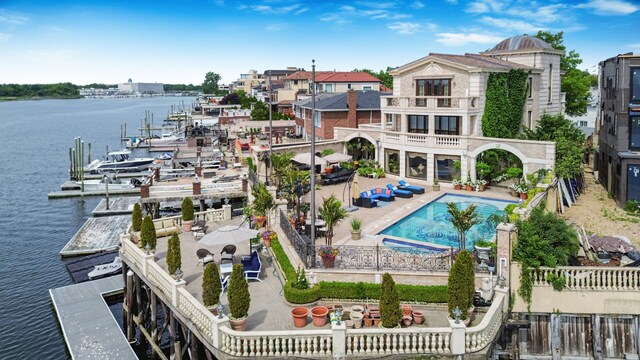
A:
[220,309]
[338,313]
[179,274]
[501,281]
[148,248]
[457,313]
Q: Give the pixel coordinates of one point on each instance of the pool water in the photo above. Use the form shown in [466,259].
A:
[430,223]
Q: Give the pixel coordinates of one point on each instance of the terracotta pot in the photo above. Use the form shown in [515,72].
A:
[524,196]
[406,310]
[457,187]
[368,322]
[376,322]
[406,321]
[187,225]
[267,242]
[239,324]
[319,314]
[418,317]
[300,316]
[469,188]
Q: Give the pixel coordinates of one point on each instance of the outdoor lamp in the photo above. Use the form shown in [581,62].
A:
[501,281]
[457,313]
[220,309]
[148,248]
[338,313]
[178,274]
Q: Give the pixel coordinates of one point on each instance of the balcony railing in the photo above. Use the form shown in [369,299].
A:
[590,278]
[428,140]
[430,102]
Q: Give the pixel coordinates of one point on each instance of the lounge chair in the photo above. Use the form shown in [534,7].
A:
[204,257]
[414,189]
[399,192]
[252,266]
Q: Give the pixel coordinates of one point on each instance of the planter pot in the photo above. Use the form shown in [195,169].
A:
[524,196]
[457,187]
[406,310]
[436,187]
[261,223]
[319,315]
[213,310]
[368,322]
[470,312]
[328,262]
[469,188]
[357,317]
[513,193]
[239,324]
[376,322]
[187,225]
[418,317]
[357,309]
[300,317]
[267,242]
[355,235]
[481,187]
[406,320]
[348,324]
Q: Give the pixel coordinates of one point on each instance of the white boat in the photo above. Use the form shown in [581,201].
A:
[119,161]
[167,139]
[106,269]
[101,184]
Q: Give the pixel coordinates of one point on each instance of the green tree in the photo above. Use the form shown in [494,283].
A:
[211,285]
[148,233]
[136,217]
[461,284]
[462,220]
[382,75]
[575,83]
[187,209]
[260,111]
[390,312]
[332,213]
[174,257]
[210,84]
[239,297]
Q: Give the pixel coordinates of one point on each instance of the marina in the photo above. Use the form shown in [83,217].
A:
[117,206]
[96,235]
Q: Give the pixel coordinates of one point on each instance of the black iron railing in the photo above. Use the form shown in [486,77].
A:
[299,243]
[253,177]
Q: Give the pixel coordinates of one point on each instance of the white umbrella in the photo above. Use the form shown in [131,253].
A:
[305,158]
[336,158]
[355,189]
[230,234]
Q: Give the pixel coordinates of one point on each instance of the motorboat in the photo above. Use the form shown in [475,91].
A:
[106,269]
[119,161]
[167,139]
[114,184]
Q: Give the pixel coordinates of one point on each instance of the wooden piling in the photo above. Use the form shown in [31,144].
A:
[129,303]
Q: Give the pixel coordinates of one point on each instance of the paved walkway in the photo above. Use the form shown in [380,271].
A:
[88,326]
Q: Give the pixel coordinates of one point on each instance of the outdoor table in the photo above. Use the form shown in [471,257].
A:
[226,268]
[319,222]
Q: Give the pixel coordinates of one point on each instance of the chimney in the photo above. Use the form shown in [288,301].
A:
[351,106]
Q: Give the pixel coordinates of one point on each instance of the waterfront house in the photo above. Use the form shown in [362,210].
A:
[618,155]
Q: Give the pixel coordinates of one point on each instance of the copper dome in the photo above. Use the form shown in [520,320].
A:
[521,42]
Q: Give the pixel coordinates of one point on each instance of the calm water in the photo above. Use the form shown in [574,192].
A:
[431,222]
[35,137]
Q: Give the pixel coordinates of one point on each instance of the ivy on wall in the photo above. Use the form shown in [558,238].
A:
[506,95]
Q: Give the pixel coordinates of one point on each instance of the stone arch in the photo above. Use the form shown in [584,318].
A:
[494,145]
[364,136]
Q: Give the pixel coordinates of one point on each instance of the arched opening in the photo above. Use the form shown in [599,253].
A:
[499,167]
[361,149]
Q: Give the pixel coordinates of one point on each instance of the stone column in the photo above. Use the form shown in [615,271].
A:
[339,335]
[198,171]
[226,211]
[404,124]
[458,337]
[144,191]
[156,173]
[197,189]
[505,236]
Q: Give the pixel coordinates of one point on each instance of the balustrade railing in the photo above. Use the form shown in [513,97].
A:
[215,215]
[309,343]
[430,102]
[590,278]
[369,342]
[481,335]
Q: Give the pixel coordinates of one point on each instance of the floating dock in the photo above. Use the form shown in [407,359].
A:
[117,206]
[77,193]
[80,268]
[97,235]
[88,326]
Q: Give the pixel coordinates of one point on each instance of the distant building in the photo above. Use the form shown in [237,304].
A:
[618,156]
[142,88]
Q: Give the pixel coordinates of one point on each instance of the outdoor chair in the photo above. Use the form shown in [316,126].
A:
[227,253]
[201,232]
[224,282]
[252,266]
[204,257]
[414,189]
[399,192]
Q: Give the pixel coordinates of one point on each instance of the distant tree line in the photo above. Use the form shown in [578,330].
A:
[182,88]
[98,86]
[39,90]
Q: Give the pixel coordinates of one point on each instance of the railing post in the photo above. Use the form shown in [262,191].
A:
[174,291]
[226,212]
[339,340]
[147,259]
[458,337]
[216,334]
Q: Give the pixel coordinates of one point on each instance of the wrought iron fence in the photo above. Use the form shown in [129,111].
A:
[383,258]
[253,177]
[299,244]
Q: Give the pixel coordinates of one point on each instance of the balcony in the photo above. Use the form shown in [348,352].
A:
[429,102]
[426,140]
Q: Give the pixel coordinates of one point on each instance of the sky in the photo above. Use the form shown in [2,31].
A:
[178,42]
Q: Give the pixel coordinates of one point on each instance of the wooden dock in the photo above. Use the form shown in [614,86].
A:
[88,326]
[77,193]
[117,206]
[96,235]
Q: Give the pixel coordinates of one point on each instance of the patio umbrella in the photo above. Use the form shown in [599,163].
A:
[230,234]
[336,158]
[355,189]
[305,158]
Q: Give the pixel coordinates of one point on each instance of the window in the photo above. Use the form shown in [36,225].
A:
[392,161]
[633,182]
[445,170]
[418,124]
[348,86]
[316,119]
[366,88]
[530,119]
[634,133]
[433,87]
[416,165]
[550,82]
[328,88]
[635,85]
[295,82]
[448,125]
[582,123]
[530,85]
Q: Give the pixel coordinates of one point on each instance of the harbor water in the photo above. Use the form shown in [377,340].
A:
[35,137]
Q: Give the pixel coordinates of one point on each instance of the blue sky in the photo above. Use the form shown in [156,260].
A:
[179,41]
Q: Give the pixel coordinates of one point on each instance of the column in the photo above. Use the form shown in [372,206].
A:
[505,236]
[404,124]
[458,337]
[339,342]
[226,212]
[431,167]
[403,165]
[432,124]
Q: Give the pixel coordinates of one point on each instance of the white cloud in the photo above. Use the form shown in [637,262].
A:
[431,26]
[543,14]
[417,5]
[609,7]
[457,39]
[338,18]
[4,37]
[268,9]
[12,18]
[635,46]
[477,7]
[512,25]
[378,5]
[454,2]
[298,12]
[406,28]
[275,27]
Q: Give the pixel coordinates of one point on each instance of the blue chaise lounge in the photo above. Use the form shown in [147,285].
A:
[399,192]
[414,189]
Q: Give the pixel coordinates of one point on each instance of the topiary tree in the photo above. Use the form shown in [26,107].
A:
[461,284]
[187,209]
[148,233]
[390,312]
[211,285]
[239,297]
[174,257]
[136,217]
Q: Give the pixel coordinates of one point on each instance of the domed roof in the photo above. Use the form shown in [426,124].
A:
[521,42]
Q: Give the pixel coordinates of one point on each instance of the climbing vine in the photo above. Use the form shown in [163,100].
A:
[506,95]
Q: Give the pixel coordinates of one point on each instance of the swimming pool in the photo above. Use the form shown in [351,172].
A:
[430,223]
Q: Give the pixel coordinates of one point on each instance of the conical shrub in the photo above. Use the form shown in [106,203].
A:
[148,233]
[390,312]
[174,257]
[187,209]
[461,284]
[211,285]
[136,217]
[239,297]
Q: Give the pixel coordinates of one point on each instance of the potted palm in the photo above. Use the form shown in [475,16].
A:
[462,220]
[211,287]
[469,184]
[436,184]
[332,213]
[390,311]
[356,224]
[239,299]
[187,214]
